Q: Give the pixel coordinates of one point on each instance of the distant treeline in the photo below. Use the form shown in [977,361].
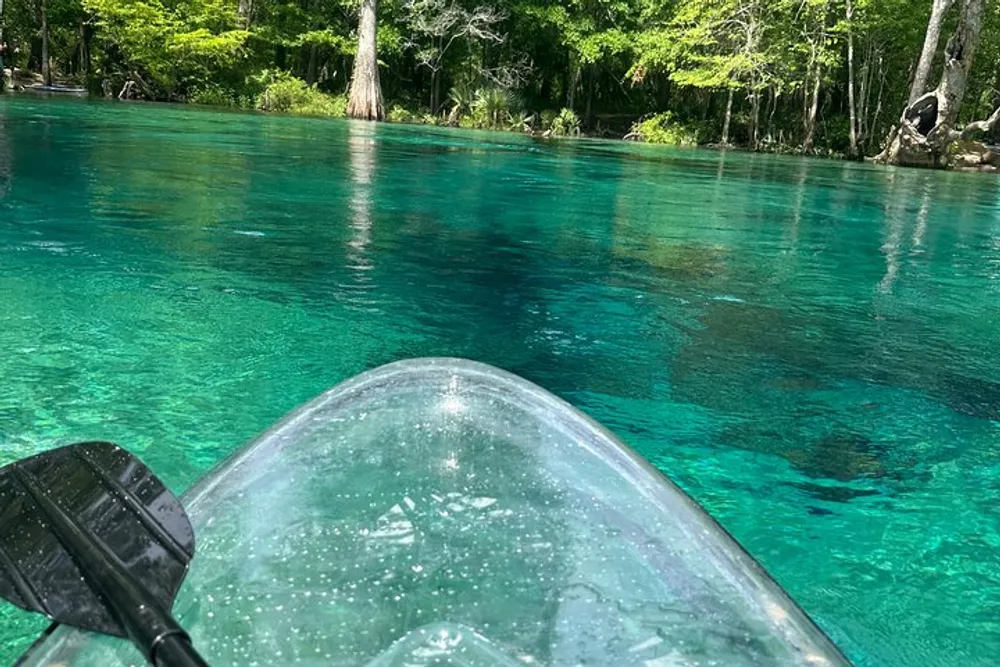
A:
[810,75]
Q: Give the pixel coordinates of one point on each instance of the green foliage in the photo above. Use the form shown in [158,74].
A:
[662,128]
[509,65]
[462,98]
[212,94]
[165,48]
[223,49]
[327,38]
[565,124]
[546,117]
[288,94]
[400,114]
[493,108]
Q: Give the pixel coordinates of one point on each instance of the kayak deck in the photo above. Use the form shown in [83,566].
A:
[444,512]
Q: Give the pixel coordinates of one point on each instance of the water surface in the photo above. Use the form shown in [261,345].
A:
[808,347]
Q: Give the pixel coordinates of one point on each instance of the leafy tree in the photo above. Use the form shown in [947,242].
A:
[714,45]
[815,75]
[437,25]
[163,50]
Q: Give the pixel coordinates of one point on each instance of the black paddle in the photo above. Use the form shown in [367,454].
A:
[91,538]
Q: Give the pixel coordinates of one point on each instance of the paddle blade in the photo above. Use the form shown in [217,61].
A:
[111,496]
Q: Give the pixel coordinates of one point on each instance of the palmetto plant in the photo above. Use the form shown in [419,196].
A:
[492,107]
[565,124]
[462,98]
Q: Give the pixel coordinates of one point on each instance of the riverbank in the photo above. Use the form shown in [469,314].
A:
[489,109]
[483,109]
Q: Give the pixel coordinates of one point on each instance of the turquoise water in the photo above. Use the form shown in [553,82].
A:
[808,347]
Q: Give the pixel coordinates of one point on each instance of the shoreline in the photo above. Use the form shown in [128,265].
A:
[62,90]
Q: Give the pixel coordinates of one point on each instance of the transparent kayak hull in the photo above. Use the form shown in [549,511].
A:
[442,512]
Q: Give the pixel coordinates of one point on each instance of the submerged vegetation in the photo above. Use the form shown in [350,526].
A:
[853,77]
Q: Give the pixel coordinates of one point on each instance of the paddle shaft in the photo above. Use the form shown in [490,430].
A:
[176,651]
[150,627]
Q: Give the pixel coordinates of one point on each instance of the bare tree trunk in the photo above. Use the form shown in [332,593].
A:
[311,67]
[46,65]
[726,121]
[878,100]
[931,38]
[754,119]
[852,115]
[573,82]
[805,101]
[435,91]
[864,93]
[588,117]
[807,78]
[366,92]
[926,129]
[84,36]
[958,57]
[807,144]
[775,96]
[245,10]
[769,104]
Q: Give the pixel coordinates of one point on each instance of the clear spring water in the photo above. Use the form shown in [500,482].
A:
[810,348]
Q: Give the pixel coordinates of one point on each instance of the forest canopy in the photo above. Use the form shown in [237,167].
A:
[812,75]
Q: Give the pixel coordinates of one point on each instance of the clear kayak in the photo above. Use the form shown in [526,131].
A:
[442,512]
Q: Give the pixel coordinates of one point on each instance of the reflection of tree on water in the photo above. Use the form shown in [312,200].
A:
[800,195]
[5,159]
[920,229]
[895,219]
[361,149]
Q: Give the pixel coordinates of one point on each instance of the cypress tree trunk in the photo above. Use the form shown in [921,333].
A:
[931,38]
[365,99]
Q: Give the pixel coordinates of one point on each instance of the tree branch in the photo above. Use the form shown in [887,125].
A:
[981,125]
